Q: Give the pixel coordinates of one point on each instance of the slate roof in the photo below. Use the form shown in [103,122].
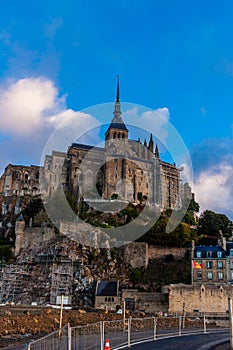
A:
[117,123]
[107,288]
[212,249]
[86,147]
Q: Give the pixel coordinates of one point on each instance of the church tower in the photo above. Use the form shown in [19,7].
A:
[117,128]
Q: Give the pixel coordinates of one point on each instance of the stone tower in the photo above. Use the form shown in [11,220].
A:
[19,234]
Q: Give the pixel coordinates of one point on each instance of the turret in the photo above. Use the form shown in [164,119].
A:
[156,151]
[19,234]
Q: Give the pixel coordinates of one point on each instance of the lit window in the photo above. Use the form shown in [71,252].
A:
[220,275]
[209,264]
[198,254]
[219,254]
[210,275]
[220,265]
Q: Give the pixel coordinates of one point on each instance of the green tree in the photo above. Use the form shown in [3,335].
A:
[32,209]
[6,253]
[193,206]
[140,197]
[210,223]
[114,196]
[136,275]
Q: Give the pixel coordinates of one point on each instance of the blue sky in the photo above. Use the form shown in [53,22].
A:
[60,57]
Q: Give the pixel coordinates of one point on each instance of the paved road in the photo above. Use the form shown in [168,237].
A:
[185,342]
[190,342]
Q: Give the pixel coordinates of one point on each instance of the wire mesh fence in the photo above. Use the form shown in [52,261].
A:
[89,337]
[117,332]
[58,340]
[126,332]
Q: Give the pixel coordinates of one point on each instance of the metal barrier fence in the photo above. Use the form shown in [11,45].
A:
[124,333]
[58,340]
[88,337]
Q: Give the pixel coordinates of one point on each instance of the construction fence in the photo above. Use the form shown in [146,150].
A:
[126,332]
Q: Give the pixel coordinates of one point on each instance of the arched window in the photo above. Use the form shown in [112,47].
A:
[26,178]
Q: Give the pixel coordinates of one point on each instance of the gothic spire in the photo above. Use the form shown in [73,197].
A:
[117,109]
[118,89]
[117,123]
[151,144]
[156,151]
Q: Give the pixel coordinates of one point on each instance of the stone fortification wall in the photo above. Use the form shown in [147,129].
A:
[157,252]
[31,237]
[136,254]
[202,299]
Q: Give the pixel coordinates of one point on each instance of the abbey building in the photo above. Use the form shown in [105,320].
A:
[123,169]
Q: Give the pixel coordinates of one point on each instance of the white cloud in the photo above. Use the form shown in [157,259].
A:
[26,103]
[214,188]
[30,112]
[212,161]
[154,121]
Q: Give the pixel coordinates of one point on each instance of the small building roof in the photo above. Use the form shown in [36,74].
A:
[107,288]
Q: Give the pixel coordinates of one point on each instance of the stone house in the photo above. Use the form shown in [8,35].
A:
[212,264]
[143,301]
[107,295]
[20,180]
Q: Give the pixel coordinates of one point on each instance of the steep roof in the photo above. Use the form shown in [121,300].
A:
[117,123]
[212,249]
[107,288]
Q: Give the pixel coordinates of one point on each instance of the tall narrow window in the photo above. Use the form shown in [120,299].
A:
[220,275]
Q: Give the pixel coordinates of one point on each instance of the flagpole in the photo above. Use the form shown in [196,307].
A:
[192,257]
[191,271]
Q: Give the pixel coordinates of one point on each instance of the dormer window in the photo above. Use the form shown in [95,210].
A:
[219,254]
[209,254]
[198,254]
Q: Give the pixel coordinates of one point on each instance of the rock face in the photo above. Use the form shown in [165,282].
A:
[59,266]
